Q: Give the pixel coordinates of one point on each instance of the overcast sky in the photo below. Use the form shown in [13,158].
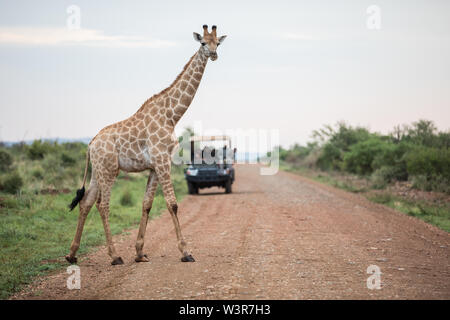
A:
[287,65]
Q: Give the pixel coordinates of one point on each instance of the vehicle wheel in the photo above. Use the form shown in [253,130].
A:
[228,186]
[192,189]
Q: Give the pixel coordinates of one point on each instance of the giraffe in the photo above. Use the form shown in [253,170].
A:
[144,141]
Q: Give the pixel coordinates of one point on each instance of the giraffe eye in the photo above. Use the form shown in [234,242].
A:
[203,43]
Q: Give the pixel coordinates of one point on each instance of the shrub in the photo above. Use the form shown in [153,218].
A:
[443,140]
[345,136]
[19,148]
[72,146]
[5,160]
[67,161]
[330,157]
[126,199]
[430,162]
[416,152]
[311,159]
[422,132]
[38,173]
[393,155]
[11,183]
[338,142]
[382,176]
[360,158]
[429,168]
[54,171]
[37,150]
[437,183]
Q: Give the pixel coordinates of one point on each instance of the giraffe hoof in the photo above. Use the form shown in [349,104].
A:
[142,258]
[71,260]
[116,261]
[188,258]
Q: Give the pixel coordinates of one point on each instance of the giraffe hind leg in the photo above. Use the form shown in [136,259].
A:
[152,184]
[85,206]
[103,208]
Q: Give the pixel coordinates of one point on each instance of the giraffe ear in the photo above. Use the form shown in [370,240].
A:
[197,37]
[222,39]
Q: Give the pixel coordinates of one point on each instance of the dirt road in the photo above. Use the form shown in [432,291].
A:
[274,237]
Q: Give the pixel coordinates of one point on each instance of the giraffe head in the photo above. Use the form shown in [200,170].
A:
[209,42]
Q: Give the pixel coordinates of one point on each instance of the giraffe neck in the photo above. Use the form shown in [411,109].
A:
[173,102]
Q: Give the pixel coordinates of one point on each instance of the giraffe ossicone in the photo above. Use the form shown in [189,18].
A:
[144,141]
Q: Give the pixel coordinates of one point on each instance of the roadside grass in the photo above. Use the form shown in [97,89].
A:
[323,177]
[36,230]
[340,184]
[438,215]
[435,214]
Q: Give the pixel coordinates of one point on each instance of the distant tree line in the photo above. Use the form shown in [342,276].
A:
[418,153]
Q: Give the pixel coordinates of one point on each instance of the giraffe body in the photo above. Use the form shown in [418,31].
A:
[144,141]
[147,137]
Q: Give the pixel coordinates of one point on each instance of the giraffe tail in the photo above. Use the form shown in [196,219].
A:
[80,192]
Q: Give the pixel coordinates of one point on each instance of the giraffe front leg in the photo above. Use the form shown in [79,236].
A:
[152,184]
[171,202]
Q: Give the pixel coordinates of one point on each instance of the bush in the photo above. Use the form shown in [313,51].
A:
[429,168]
[430,162]
[417,152]
[11,183]
[360,158]
[37,150]
[311,160]
[393,156]
[73,146]
[54,171]
[67,161]
[330,157]
[345,136]
[382,176]
[437,183]
[126,199]
[5,160]
[38,173]
[422,132]
[338,142]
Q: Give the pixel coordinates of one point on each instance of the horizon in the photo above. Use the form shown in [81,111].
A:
[86,139]
[312,65]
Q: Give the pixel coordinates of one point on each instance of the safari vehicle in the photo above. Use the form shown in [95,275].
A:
[210,167]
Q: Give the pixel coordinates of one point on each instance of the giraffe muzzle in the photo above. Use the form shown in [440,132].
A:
[213,56]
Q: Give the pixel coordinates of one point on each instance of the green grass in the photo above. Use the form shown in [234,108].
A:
[36,230]
[339,184]
[438,215]
[322,177]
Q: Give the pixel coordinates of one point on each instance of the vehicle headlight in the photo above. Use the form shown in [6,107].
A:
[191,172]
[224,171]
